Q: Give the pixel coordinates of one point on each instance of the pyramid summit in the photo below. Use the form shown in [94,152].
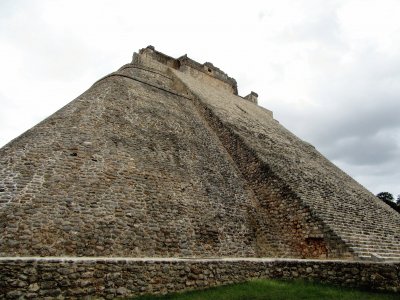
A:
[163,158]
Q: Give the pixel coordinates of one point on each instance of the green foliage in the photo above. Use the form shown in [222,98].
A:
[385,196]
[389,200]
[274,290]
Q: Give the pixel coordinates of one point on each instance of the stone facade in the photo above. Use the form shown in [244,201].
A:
[162,158]
[109,278]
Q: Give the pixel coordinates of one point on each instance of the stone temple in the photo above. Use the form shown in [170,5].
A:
[163,159]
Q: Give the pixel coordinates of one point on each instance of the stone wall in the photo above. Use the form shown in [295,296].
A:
[108,278]
[207,79]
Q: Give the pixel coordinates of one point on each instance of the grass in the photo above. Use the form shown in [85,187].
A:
[274,290]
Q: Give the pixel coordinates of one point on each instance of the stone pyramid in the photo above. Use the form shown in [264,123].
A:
[163,159]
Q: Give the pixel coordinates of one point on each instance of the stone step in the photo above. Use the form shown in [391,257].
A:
[377,257]
[366,251]
[376,250]
[384,253]
[390,255]
[355,222]
[372,240]
[355,236]
[361,231]
[375,243]
[370,226]
[367,217]
[371,250]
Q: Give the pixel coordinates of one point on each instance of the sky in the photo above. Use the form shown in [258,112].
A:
[329,70]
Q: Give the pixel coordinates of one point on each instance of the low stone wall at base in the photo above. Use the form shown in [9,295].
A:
[75,278]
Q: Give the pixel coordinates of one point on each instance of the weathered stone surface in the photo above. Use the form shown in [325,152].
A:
[127,277]
[153,182]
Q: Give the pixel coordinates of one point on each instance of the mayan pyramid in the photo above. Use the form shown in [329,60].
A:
[163,158]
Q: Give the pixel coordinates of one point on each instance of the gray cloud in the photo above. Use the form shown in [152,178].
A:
[354,88]
[355,120]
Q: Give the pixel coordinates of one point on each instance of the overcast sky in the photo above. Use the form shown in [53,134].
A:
[329,70]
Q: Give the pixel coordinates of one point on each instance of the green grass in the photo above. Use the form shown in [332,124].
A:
[274,290]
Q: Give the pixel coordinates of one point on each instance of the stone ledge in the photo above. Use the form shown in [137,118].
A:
[181,259]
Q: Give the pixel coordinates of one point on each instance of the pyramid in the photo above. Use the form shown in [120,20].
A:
[163,158]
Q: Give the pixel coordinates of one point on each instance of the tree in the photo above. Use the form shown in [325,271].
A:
[398,200]
[385,196]
[389,200]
